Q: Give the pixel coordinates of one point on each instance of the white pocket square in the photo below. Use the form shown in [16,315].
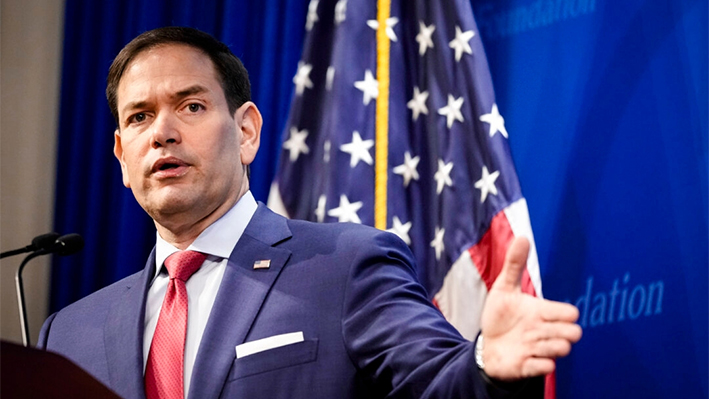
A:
[260,345]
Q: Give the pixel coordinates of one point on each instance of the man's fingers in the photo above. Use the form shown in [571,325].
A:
[552,348]
[566,331]
[555,330]
[515,261]
[559,311]
[536,366]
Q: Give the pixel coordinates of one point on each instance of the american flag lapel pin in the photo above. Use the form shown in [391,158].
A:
[262,264]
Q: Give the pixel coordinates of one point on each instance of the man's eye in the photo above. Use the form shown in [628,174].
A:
[139,117]
[194,107]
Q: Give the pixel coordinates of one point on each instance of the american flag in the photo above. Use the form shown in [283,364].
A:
[394,124]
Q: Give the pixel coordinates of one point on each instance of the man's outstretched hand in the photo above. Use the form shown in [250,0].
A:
[523,334]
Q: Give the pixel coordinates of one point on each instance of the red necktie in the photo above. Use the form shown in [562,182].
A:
[165,369]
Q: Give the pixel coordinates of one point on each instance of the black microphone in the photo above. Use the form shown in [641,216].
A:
[64,245]
[42,241]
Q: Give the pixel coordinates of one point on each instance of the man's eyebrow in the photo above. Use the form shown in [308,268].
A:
[196,89]
[134,105]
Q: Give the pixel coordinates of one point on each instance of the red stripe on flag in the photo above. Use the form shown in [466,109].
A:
[550,386]
[489,254]
[527,286]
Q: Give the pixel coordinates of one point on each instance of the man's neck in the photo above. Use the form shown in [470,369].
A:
[182,230]
[180,240]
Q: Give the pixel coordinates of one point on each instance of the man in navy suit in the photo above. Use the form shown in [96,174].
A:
[279,308]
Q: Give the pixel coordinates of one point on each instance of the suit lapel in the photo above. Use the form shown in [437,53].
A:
[123,335]
[240,297]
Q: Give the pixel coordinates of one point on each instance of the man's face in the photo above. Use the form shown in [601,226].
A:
[181,151]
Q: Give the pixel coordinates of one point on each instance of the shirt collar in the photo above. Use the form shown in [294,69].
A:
[219,238]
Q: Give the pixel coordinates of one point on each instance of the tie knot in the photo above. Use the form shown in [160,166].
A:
[181,265]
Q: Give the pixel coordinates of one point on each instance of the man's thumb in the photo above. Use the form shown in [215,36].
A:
[515,261]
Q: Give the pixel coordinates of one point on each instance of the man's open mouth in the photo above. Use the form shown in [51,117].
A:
[168,164]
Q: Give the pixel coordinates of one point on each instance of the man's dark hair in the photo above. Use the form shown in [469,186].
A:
[231,72]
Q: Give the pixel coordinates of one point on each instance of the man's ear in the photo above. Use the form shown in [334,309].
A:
[118,152]
[250,125]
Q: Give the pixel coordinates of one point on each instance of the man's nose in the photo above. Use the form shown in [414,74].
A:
[165,131]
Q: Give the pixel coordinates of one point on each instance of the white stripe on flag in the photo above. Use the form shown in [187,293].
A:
[275,202]
[462,296]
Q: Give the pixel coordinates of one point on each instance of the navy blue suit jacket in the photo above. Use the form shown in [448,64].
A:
[369,329]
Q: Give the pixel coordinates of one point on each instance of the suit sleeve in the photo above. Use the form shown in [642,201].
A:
[44,332]
[398,339]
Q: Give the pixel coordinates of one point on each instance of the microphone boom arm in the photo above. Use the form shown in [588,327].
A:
[21,296]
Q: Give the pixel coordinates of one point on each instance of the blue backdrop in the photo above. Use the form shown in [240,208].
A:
[606,106]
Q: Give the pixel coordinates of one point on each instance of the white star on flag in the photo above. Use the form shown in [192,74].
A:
[418,103]
[340,12]
[401,230]
[329,77]
[460,43]
[326,151]
[486,184]
[452,110]
[358,150]
[437,243]
[424,37]
[390,23]
[302,78]
[369,87]
[408,169]
[346,212]
[496,121]
[320,210]
[443,175]
[296,143]
[312,17]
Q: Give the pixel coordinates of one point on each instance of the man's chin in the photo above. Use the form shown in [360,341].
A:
[169,207]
